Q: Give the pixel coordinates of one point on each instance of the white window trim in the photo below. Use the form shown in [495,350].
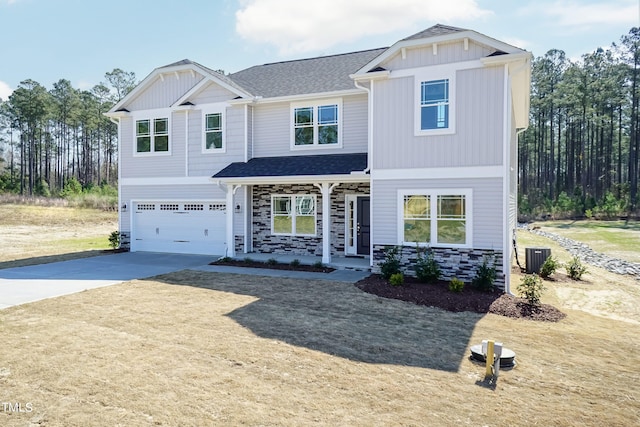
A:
[293,223]
[221,109]
[152,115]
[433,195]
[315,104]
[424,76]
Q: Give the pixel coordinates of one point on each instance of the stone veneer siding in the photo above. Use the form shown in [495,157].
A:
[125,240]
[453,262]
[265,242]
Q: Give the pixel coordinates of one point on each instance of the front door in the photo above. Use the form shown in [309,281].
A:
[363,227]
[357,225]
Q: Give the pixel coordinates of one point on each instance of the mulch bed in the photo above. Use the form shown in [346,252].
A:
[470,299]
[272,265]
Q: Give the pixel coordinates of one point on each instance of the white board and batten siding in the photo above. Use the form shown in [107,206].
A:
[486,209]
[272,129]
[478,137]
[446,53]
[164,91]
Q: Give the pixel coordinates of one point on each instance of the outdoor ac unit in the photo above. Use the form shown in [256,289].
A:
[535,257]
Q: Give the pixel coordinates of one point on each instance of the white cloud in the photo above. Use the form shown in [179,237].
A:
[581,15]
[296,27]
[5,91]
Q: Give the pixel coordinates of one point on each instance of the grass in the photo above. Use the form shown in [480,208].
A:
[620,239]
[31,234]
[198,348]
[195,348]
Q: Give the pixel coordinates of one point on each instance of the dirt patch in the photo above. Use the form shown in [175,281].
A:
[470,299]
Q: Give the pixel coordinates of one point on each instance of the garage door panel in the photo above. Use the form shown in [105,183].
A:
[180,227]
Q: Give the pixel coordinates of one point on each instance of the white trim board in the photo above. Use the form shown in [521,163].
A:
[177,180]
[439,173]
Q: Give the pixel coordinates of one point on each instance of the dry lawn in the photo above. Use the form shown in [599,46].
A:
[31,234]
[196,349]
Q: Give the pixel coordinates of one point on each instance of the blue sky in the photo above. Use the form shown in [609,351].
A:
[81,40]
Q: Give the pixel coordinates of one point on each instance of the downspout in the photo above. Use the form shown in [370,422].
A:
[370,127]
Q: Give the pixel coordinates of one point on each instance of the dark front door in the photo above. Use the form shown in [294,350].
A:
[364,226]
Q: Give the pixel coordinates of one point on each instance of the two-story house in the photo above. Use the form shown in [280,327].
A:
[415,144]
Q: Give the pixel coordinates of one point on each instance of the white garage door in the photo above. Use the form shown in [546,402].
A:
[179,227]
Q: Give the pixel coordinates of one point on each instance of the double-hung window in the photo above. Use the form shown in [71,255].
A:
[316,124]
[435,105]
[152,135]
[213,131]
[293,215]
[435,217]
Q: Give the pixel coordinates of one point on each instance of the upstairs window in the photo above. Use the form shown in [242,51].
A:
[435,111]
[213,131]
[152,135]
[316,125]
[434,104]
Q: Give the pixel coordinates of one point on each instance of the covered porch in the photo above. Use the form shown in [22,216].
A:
[313,207]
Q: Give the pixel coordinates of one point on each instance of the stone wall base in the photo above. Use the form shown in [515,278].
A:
[453,262]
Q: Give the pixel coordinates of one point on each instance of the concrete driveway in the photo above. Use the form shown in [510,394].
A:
[27,284]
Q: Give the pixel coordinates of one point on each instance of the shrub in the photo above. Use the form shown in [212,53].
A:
[295,263]
[485,275]
[318,264]
[575,269]
[456,285]
[391,264]
[114,239]
[427,269]
[272,261]
[531,288]
[396,279]
[549,267]
[225,259]
[247,260]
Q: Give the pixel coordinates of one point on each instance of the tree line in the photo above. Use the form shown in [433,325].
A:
[49,138]
[579,155]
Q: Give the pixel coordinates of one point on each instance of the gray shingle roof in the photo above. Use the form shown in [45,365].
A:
[328,164]
[436,30]
[313,75]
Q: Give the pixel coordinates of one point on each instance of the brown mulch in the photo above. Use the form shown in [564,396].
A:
[470,299]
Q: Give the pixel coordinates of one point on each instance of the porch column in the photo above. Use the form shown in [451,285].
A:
[326,189]
[231,240]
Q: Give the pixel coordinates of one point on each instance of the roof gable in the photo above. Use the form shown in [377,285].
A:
[185,65]
[432,36]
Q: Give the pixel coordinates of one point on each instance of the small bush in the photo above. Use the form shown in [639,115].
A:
[295,263]
[485,275]
[396,279]
[318,264]
[114,240]
[427,269]
[391,264]
[272,261]
[247,260]
[549,267]
[456,285]
[225,259]
[531,288]
[575,269]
